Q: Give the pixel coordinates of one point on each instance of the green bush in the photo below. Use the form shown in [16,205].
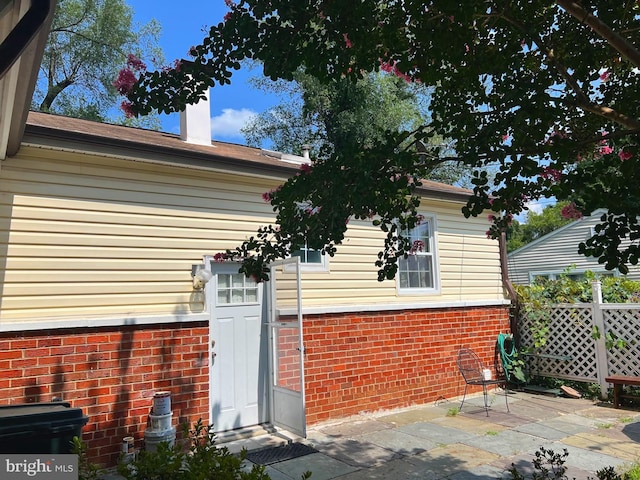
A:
[565,289]
[197,458]
[549,465]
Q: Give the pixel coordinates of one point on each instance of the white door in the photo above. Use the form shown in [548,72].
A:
[239,356]
[286,349]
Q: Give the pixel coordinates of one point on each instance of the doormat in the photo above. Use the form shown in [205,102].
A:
[272,455]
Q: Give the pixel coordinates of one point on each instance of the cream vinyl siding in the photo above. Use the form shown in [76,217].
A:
[557,251]
[90,237]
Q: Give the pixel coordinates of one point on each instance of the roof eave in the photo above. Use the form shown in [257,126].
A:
[18,82]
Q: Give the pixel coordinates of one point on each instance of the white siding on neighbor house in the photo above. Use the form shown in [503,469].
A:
[557,251]
[90,237]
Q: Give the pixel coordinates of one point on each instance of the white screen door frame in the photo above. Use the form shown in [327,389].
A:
[286,351]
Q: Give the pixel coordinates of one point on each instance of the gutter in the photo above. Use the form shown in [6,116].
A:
[146,153]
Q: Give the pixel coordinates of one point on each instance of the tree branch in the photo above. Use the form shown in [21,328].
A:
[618,42]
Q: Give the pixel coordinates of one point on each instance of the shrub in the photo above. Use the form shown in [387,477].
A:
[549,465]
[197,458]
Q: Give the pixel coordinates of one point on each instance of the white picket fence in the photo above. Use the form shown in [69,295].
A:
[573,351]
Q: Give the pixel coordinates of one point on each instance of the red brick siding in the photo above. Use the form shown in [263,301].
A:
[376,361]
[353,363]
[112,374]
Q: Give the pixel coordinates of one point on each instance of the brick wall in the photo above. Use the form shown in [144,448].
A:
[112,374]
[377,361]
[353,363]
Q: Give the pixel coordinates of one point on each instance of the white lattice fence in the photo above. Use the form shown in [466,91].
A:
[622,322]
[570,350]
[586,342]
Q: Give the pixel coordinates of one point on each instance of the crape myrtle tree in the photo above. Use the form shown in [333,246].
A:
[545,91]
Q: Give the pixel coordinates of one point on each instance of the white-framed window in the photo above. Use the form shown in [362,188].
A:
[573,275]
[418,273]
[311,260]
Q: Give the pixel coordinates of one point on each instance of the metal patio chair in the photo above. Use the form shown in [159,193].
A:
[471,369]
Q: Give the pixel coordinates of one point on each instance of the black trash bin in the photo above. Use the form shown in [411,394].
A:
[39,427]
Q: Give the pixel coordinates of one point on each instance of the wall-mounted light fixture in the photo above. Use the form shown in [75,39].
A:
[200,276]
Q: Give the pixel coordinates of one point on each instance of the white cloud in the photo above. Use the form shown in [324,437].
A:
[229,123]
[536,206]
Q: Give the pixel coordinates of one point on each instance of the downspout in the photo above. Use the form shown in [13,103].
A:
[508,286]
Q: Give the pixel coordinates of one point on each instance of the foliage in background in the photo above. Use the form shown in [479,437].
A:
[565,289]
[536,225]
[537,300]
[330,116]
[87,46]
[197,459]
[547,92]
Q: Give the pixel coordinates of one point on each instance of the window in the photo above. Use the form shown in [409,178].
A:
[236,288]
[417,273]
[310,259]
[574,275]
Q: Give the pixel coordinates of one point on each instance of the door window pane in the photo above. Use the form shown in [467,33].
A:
[236,288]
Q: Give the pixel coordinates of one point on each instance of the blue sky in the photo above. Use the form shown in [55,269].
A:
[183,25]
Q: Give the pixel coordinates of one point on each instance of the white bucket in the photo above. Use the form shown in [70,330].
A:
[153,439]
[159,422]
[486,374]
[128,445]
[162,403]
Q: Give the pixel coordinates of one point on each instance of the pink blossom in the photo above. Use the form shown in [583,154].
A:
[549,173]
[466,48]
[127,108]
[134,63]
[266,196]
[227,16]
[125,81]
[193,51]
[346,40]
[417,246]
[393,69]
[305,168]
[604,76]
[605,150]
[571,212]
[229,3]
[505,137]
[219,257]
[491,217]
[624,155]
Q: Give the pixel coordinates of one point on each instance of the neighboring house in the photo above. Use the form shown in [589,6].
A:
[101,227]
[556,252]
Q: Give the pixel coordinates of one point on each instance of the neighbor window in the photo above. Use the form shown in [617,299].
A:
[417,273]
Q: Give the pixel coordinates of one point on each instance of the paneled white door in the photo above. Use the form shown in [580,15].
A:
[239,356]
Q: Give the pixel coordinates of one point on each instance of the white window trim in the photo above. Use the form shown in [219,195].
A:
[321,267]
[431,218]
